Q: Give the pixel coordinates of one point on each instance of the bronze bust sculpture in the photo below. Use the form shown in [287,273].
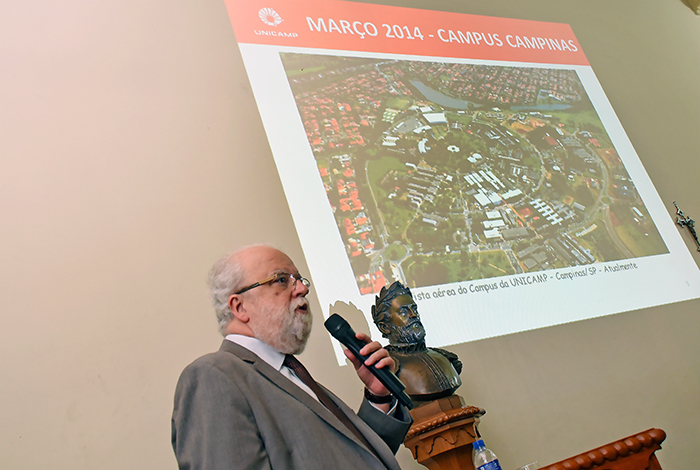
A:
[428,373]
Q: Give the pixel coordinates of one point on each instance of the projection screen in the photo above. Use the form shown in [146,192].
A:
[475,159]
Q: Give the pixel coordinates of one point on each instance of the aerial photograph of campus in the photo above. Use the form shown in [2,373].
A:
[441,172]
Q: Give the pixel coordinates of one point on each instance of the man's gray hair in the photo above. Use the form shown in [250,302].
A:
[225,278]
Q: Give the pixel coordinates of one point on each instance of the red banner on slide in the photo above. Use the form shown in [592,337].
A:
[350,26]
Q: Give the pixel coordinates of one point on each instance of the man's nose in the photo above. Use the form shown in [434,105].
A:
[300,289]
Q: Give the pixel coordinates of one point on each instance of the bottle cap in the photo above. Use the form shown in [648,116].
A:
[478,444]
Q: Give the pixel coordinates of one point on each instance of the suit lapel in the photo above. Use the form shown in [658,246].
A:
[292,389]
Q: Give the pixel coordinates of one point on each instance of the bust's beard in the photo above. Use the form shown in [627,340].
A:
[412,334]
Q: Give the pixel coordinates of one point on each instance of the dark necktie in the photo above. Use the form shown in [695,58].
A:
[303,374]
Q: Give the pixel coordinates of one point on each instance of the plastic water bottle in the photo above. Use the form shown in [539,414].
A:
[484,458]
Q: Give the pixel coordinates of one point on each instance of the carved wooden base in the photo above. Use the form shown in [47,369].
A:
[632,453]
[442,433]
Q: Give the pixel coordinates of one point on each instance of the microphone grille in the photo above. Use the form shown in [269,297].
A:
[335,323]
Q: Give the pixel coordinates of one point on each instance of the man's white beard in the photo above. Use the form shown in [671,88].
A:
[284,329]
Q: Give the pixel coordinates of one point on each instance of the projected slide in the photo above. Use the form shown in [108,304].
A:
[475,159]
[443,172]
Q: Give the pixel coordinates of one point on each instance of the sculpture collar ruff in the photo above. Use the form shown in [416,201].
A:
[407,348]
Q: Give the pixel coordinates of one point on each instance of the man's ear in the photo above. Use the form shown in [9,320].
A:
[235,303]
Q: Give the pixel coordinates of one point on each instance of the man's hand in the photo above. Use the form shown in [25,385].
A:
[376,355]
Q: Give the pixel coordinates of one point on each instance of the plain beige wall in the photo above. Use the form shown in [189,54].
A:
[132,155]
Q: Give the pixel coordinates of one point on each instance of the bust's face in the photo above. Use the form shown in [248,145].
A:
[405,325]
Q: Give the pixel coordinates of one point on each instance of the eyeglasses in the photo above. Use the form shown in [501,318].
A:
[283,279]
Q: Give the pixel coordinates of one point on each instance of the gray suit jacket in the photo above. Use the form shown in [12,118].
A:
[234,411]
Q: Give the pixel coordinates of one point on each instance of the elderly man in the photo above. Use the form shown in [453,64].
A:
[252,405]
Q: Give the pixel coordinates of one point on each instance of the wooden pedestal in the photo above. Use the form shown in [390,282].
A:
[442,434]
[631,453]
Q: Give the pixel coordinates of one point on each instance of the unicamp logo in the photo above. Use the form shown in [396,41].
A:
[270,17]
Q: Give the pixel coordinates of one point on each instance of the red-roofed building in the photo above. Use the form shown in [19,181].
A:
[349,226]
[354,248]
[378,281]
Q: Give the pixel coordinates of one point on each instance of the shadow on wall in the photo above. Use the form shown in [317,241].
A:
[694,5]
[352,315]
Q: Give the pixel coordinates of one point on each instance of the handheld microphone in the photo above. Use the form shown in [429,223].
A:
[343,332]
